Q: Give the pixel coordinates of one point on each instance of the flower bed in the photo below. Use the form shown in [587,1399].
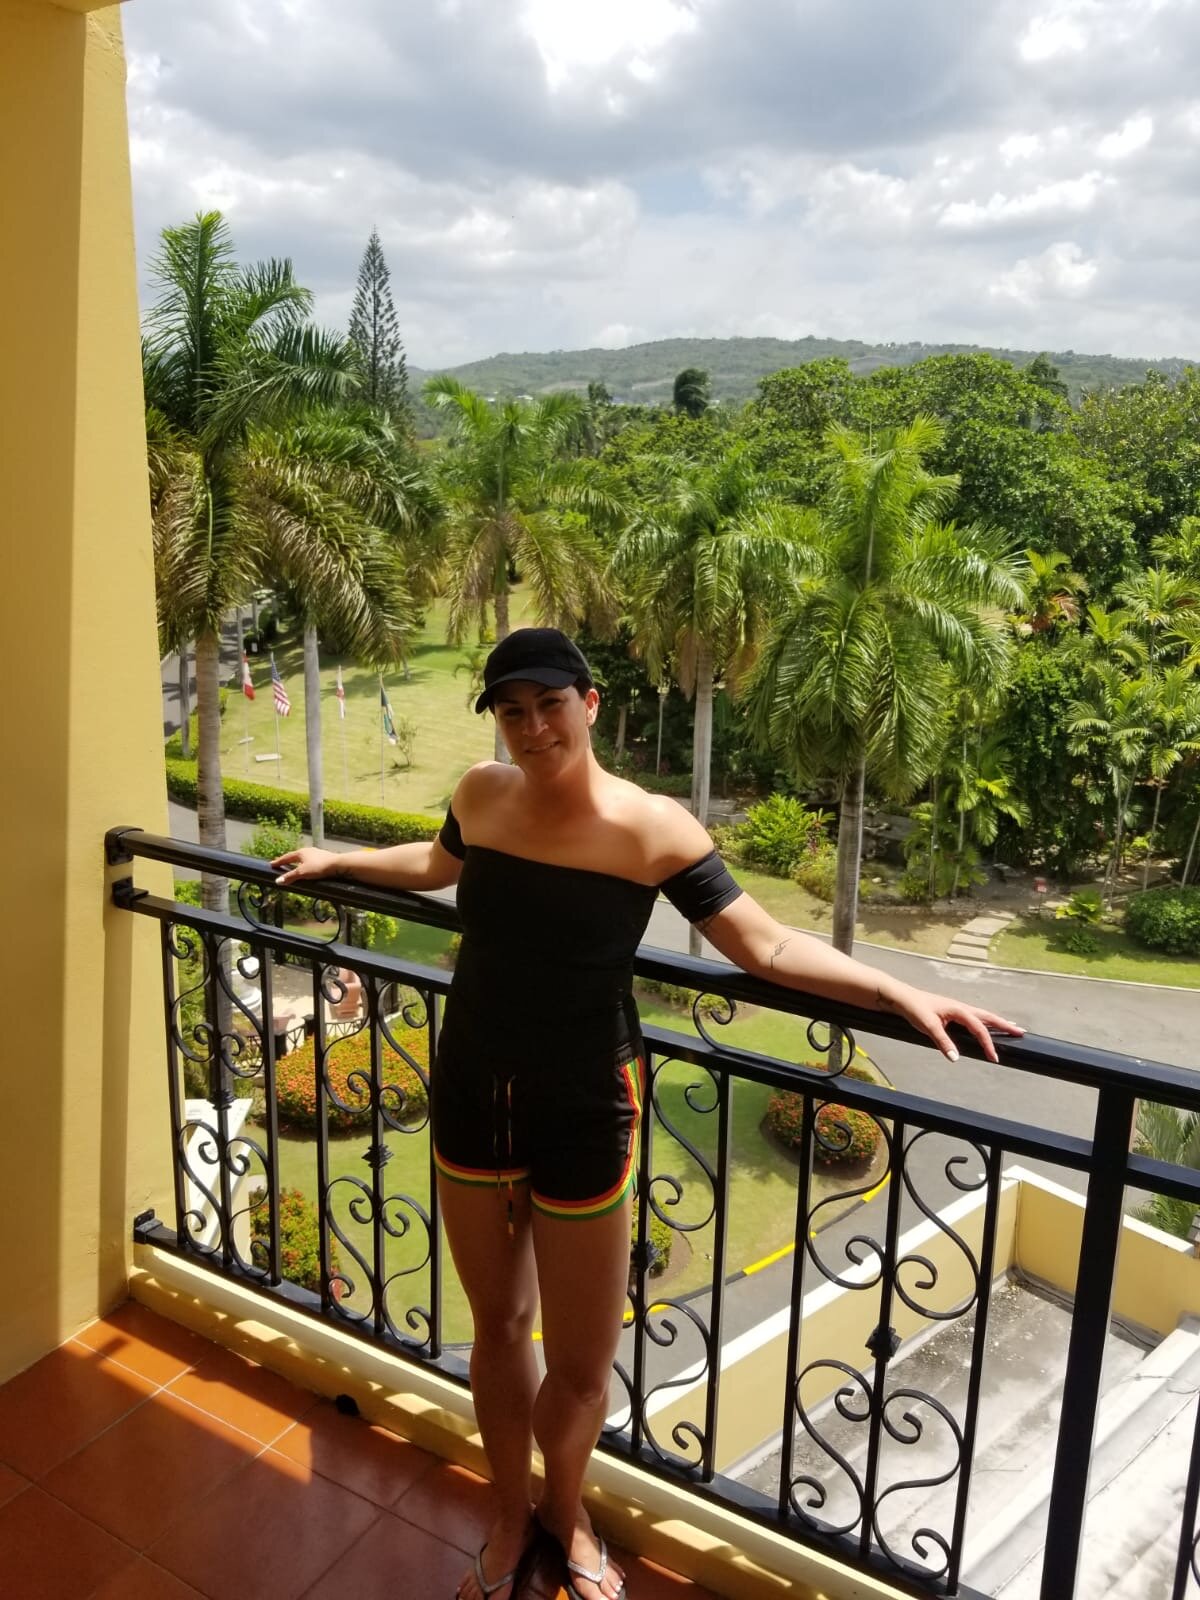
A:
[348,1070]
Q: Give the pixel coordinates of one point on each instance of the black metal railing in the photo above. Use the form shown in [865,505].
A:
[373,1261]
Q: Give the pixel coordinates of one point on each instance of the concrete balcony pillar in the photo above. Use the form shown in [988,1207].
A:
[83,1121]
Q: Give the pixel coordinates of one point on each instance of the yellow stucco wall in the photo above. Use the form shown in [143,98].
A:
[83,1126]
[1157,1281]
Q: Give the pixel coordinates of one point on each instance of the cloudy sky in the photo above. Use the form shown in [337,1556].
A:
[562,173]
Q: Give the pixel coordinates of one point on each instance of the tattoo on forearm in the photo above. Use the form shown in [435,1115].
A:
[779,949]
[882,1000]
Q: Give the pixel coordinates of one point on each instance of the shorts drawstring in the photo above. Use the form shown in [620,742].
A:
[500,1171]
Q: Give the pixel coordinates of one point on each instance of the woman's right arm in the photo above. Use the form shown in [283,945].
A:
[423,865]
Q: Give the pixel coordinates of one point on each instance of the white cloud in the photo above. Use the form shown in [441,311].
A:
[1057,33]
[1066,196]
[1019,147]
[578,36]
[1134,134]
[557,173]
[616,336]
[1061,270]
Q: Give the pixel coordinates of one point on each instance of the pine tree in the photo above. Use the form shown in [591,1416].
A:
[374,331]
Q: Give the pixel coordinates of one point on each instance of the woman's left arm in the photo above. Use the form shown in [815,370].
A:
[751,938]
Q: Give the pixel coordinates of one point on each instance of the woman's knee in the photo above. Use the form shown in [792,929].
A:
[586,1385]
[497,1325]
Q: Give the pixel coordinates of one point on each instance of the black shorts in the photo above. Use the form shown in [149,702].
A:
[568,1129]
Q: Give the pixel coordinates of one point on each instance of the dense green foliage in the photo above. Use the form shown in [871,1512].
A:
[1166,919]
[779,834]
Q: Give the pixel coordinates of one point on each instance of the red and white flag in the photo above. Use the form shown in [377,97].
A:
[247,686]
[340,691]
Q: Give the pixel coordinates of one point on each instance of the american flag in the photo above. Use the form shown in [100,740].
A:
[247,685]
[340,691]
[282,704]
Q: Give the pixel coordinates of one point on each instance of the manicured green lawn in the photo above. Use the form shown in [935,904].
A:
[449,739]
[1034,943]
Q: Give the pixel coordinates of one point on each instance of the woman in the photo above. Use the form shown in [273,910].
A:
[538,1082]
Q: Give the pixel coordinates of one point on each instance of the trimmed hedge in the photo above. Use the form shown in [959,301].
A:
[255,802]
[1166,919]
[295,1081]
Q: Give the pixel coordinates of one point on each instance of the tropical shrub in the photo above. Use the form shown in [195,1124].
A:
[1166,919]
[1079,940]
[295,1083]
[1085,908]
[850,1136]
[299,1238]
[785,1119]
[817,872]
[780,833]
[660,1237]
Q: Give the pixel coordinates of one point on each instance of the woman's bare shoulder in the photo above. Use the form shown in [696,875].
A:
[480,783]
[668,835]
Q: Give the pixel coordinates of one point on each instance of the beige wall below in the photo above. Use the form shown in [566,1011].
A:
[84,1134]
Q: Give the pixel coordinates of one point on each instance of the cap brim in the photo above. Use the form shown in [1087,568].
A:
[550,677]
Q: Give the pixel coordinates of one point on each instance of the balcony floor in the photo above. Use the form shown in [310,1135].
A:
[142,1462]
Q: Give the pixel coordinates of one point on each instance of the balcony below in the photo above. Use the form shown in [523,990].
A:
[140,1461]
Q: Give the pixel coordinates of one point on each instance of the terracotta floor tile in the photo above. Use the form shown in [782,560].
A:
[57,1405]
[452,1504]
[52,1554]
[11,1484]
[151,1345]
[371,1461]
[145,1581]
[648,1581]
[267,1533]
[245,1395]
[137,1476]
[392,1559]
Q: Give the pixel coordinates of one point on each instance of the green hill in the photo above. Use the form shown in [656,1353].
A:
[644,373]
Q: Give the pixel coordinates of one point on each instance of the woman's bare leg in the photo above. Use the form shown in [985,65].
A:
[583,1269]
[497,1271]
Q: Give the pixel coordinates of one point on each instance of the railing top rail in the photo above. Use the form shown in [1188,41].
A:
[1061,1059]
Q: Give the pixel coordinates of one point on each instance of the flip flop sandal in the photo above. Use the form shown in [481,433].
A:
[485,1587]
[596,1577]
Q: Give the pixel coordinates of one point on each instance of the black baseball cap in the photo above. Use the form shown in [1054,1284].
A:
[538,655]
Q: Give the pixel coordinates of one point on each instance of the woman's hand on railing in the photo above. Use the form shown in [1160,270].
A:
[932,1012]
[307,863]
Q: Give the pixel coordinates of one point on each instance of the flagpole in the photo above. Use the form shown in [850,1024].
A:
[382,795]
[342,723]
[278,756]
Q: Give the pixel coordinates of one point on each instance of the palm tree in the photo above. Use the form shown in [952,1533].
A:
[228,360]
[1171,1135]
[978,786]
[1052,591]
[896,609]
[513,501]
[344,473]
[690,392]
[1173,732]
[706,562]
[1116,712]
[1153,600]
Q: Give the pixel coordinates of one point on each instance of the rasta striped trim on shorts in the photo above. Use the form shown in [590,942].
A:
[579,1210]
[481,1176]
